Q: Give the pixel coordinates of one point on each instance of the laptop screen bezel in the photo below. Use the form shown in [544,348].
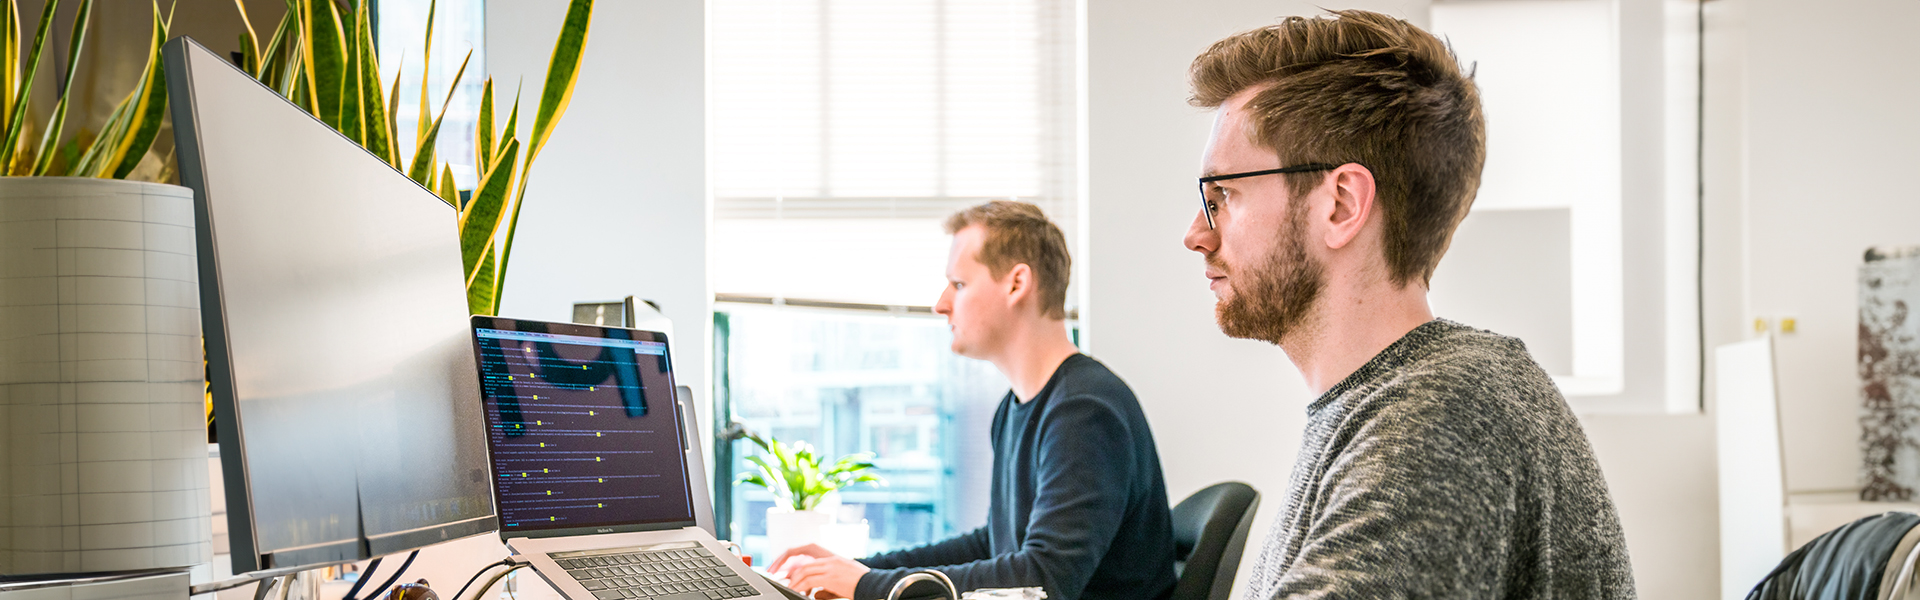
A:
[593,331]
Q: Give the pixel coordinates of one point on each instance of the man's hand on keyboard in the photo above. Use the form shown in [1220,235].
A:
[813,570]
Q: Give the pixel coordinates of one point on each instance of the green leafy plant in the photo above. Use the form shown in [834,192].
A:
[800,478]
[322,58]
[121,142]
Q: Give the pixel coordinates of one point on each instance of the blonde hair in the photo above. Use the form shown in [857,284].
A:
[1019,234]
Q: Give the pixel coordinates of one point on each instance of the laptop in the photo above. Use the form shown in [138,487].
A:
[596,472]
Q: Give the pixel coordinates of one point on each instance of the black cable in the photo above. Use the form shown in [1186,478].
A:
[361,581]
[390,580]
[476,577]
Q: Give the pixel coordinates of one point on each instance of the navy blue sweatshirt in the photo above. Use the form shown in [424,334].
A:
[1078,508]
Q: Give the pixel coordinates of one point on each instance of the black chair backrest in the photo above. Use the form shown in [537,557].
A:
[1209,534]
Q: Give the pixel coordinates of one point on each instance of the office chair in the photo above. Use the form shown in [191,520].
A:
[1872,558]
[1209,534]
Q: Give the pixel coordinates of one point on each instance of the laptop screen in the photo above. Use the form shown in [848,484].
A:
[583,429]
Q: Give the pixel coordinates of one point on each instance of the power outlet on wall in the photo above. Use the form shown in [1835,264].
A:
[1781,324]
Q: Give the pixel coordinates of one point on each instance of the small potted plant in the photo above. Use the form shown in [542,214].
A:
[800,481]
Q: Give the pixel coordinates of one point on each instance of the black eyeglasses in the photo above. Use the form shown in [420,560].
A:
[1210,195]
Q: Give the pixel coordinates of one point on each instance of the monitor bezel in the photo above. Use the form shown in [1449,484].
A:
[180,56]
[595,331]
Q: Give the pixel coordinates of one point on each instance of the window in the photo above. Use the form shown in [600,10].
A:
[842,133]
[458,26]
[842,127]
[852,381]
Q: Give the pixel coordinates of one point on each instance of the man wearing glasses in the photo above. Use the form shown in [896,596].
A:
[1439,460]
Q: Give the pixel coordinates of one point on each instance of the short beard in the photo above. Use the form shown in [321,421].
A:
[1275,297]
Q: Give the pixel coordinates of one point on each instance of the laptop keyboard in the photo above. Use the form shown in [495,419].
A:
[682,571]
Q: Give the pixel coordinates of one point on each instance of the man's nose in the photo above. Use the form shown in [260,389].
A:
[1201,238]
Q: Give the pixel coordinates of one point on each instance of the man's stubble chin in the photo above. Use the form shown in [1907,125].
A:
[1273,297]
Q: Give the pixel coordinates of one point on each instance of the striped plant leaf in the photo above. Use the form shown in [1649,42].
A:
[513,122]
[426,68]
[563,71]
[10,91]
[277,58]
[249,42]
[16,123]
[50,139]
[352,113]
[425,155]
[446,189]
[324,52]
[480,290]
[393,112]
[130,130]
[480,228]
[371,107]
[483,127]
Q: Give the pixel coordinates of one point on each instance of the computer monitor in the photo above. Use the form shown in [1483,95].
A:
[335,317]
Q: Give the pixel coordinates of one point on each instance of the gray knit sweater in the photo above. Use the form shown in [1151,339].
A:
[1449,466]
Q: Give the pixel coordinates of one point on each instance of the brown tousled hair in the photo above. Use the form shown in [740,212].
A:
[1364,88]
[1018,233]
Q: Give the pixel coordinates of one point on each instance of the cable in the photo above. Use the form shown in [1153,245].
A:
[496,579]
[361,581]
[476,577]
[390,580]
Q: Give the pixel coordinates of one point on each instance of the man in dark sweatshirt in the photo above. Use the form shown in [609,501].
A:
[1439,460]
[1078,507]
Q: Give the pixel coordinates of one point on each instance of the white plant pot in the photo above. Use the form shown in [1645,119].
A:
[788,528]
[105,468]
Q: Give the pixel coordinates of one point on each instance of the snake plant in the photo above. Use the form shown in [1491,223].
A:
[799,478]
[122,141]
[322,58]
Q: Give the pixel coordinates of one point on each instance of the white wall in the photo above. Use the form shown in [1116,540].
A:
[1232,409]
[1831,129]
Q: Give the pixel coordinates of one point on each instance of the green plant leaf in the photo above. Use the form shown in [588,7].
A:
[134,123]
[480,227]
[10,92]
[426,68]
[751,478]
[563,72]
[50,139]
[352,113]
[278,61]
[326,60]
[372,107]
[393,110]
[483,127]
[447,190]
[426,155]
[480,285]
[513,121]
[249,42]
[16,123]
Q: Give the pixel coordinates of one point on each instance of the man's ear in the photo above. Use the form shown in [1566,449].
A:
[1019,283]
[1353,204]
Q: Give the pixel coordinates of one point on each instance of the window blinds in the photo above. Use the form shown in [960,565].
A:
[879,110]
